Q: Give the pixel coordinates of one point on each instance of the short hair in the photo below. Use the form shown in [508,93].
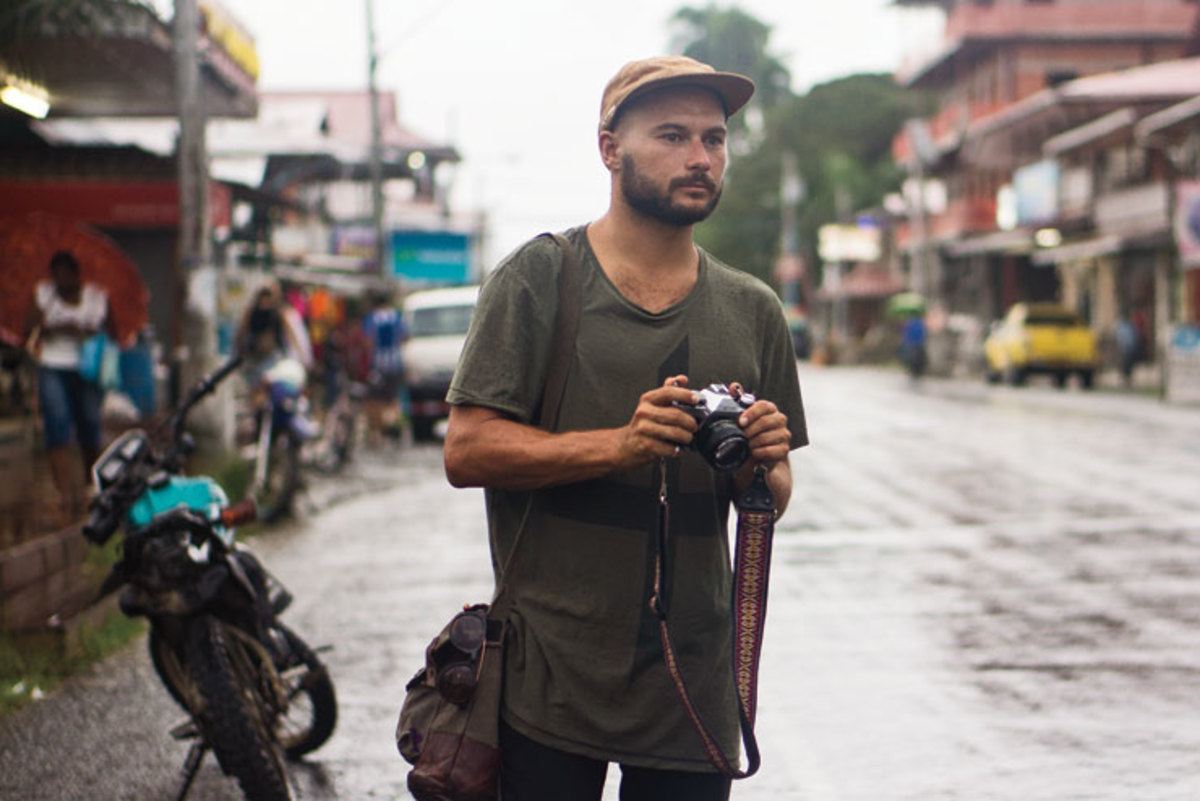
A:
[64,260]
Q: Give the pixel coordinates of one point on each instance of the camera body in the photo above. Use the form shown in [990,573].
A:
[719,438]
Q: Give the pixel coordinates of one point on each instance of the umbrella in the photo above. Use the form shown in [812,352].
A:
[26,245]
[904,304]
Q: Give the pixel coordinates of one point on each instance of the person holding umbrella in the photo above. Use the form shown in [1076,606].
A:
[65,312]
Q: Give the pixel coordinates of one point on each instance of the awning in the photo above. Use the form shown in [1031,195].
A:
[1079,251]
[1094,131]
[1019,241]
[1168,118]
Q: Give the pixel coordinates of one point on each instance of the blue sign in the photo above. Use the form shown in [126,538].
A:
[431,257]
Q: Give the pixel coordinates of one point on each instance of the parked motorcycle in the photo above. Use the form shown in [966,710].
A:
[282,427]
[254,691]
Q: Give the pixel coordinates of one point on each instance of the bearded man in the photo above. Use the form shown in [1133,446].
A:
[585,680]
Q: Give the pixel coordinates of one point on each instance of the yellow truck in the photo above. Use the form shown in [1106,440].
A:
[1041,338]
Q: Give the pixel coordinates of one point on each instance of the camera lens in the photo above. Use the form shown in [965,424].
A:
[457,682]
[468,631]
[724,445]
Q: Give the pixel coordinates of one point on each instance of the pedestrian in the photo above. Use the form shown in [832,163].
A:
[64,313]
[1129,347]
[912,344]
[264,334]
[585,681]
[387,332]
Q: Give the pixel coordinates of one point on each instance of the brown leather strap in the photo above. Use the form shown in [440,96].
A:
[566,328]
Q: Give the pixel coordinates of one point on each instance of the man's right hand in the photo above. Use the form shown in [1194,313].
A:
[659,428]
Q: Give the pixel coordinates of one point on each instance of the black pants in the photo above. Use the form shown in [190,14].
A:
[531,771]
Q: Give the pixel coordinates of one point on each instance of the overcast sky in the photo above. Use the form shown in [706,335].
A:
[516,85]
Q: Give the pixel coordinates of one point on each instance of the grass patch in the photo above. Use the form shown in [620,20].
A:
[33,664]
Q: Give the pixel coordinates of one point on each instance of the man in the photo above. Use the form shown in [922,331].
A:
[66,311]
[585,681]
[387,332]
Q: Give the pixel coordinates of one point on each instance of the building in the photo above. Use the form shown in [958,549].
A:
[1009,75]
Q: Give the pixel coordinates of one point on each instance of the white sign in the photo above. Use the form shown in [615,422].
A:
[848,243]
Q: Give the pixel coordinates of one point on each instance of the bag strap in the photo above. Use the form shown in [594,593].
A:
[752,565]
[566,328]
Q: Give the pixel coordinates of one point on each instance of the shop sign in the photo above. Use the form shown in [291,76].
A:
[1183,365]
[431,257]
[224,29]
[1187,223]
[1036,187]
[110,204]
[848,243]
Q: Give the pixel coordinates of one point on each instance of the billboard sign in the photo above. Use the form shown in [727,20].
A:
[433,258]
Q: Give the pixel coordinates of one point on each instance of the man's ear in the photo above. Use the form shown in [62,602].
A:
[610,150]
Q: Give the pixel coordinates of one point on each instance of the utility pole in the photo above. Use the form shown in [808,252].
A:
[377,203]
[194,340]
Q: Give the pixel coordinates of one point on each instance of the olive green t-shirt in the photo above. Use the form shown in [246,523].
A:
[584,667]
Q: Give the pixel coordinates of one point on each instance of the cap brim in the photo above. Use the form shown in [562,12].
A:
[734,90]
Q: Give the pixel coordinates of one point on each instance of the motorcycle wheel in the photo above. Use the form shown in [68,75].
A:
[311,713]
[235,716]
[274,500]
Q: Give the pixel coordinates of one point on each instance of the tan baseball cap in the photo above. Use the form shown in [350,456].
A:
[639,77]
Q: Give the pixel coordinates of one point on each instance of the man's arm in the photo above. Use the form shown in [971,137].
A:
[486,448]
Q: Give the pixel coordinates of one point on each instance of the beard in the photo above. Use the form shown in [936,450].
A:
[643,196]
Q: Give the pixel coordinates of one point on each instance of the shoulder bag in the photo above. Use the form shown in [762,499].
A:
[450,719]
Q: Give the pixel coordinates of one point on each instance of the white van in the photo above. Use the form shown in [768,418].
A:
[438,320]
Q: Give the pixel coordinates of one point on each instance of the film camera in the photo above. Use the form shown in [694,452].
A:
[719,438]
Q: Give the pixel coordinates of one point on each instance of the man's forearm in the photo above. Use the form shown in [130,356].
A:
[503,454]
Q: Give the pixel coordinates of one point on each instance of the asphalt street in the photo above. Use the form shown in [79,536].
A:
[978,593]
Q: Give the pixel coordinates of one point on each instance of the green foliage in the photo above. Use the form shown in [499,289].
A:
[841,134]
[730,39]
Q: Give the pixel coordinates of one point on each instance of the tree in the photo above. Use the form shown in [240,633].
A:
[841,133]
[731,40]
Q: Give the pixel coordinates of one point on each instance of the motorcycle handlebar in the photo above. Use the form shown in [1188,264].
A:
[99,527]
[202,388]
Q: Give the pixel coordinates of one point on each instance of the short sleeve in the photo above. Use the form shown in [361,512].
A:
[505,358]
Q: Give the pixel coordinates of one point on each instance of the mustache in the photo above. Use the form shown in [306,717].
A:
[701,178]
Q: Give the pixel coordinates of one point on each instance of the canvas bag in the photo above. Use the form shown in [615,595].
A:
[455,749]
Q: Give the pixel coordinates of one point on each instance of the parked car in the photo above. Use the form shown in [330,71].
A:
[438,320]
[1041,338]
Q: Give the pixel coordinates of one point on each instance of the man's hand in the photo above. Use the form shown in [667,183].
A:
[658,428]
[766,429]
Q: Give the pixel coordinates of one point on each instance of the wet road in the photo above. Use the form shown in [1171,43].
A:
[978,593]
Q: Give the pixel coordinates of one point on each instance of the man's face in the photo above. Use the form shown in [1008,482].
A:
[672,155]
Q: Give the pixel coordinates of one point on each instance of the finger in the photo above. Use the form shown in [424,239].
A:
[676,381]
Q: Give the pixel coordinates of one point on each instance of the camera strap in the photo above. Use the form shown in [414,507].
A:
[752,567]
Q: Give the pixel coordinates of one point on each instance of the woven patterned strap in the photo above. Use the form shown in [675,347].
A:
[752,566]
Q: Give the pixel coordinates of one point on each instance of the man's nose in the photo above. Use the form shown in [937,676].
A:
[698,157]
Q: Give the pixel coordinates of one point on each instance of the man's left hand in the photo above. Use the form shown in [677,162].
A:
[766,429]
